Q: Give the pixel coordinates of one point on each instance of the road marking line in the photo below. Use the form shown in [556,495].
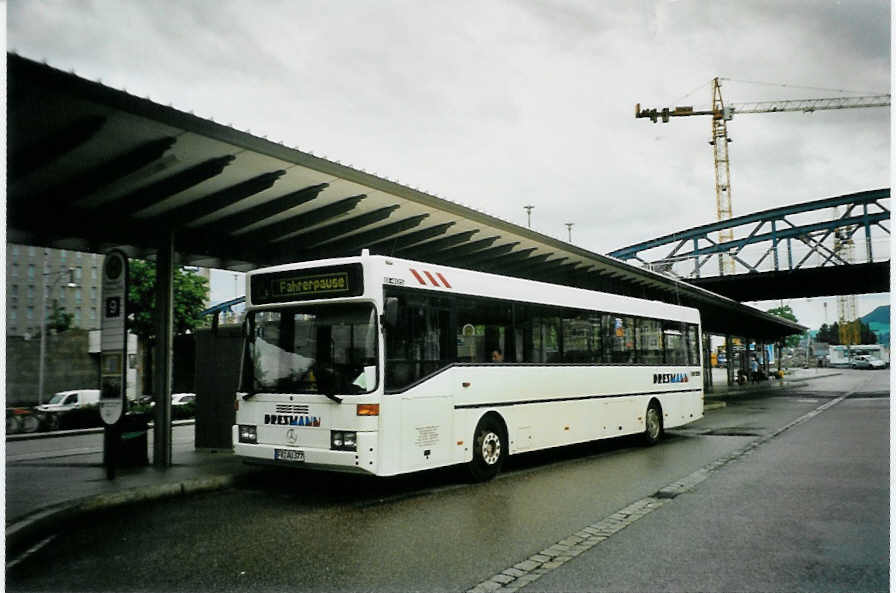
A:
[30,551]
[561,552]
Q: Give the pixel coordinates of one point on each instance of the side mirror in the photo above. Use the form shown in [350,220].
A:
[390,312]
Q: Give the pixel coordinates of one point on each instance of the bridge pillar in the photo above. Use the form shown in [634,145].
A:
[729,356]
[707,363]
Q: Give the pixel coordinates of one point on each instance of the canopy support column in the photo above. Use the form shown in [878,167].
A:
[164,348]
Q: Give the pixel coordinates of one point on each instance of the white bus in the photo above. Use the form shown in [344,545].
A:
[385,366]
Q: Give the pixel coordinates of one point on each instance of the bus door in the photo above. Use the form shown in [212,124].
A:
[419,346]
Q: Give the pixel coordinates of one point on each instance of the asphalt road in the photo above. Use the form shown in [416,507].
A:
[806,510]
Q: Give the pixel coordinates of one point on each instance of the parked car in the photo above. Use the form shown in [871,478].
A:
[183,405]
[71,409]
[180,399]
[866,361]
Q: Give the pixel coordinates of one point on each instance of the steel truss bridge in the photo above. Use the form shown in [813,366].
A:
[826,247]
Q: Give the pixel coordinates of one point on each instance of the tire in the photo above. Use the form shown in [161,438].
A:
[52,421]
[653,424]
[489,450]
[13,425]
[29,423]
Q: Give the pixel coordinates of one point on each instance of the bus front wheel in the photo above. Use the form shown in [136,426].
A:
[489,449]
[653,424]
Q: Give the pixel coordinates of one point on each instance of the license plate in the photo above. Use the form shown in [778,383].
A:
[289,455]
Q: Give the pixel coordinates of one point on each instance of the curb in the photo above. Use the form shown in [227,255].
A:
[31,527]
[80,431]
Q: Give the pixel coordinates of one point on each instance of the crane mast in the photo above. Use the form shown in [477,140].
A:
[719,143]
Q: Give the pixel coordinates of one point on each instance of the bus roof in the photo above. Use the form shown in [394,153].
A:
[395,271]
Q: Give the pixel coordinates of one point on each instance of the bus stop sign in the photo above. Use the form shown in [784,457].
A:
[113,337]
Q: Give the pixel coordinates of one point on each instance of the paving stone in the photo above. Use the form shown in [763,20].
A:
[502,578]
[527,565]
[514,572]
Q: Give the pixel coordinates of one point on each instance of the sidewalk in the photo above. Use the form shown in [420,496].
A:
[44,491]
[721,391]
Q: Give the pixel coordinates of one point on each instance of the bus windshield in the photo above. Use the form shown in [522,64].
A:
[326,349]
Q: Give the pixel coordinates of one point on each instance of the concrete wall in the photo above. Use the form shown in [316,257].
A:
[69,365]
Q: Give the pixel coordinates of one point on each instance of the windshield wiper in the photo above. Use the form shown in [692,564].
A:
[333,397]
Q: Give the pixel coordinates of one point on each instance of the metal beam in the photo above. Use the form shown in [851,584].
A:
[466,249]
[159,190]
[421,250]
[494,252]
[289,226]
[196,209]
[363,239]
[539,270]
[498,265]
[796,231]
[67,193]
[306,240]
[774,213]
[530,263]
[43,151]
[389,246]
[249,216]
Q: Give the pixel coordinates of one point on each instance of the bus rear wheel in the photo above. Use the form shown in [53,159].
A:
[489,450]
[653,424]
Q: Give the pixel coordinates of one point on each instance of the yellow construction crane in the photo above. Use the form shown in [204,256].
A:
[721,114]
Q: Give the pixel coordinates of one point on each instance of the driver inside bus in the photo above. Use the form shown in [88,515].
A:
[497,355]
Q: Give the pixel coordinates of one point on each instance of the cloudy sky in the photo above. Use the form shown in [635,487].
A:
[500,104]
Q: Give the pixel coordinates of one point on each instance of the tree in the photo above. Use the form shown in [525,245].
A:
[786,312]
[831,333]
[866,336]
[190,296]
[58,320]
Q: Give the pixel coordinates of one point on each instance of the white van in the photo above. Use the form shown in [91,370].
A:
[64,401]
[76,408]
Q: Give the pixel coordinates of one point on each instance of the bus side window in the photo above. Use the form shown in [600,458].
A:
[621,337]
[674,341]
[483,326]
[420,343]
[650,341]
[693,345]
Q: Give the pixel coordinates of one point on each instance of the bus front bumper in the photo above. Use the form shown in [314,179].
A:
[362,460]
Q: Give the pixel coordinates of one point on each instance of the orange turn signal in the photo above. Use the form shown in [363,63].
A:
[368,410]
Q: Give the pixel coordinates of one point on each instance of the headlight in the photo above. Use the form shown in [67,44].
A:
[341,440]
[248,433]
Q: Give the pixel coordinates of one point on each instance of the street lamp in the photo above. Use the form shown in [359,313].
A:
[43,320]
[529,214]
[569,228]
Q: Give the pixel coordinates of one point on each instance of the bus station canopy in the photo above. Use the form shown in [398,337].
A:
[92,168]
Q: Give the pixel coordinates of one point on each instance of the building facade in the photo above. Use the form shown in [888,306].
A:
[32,270]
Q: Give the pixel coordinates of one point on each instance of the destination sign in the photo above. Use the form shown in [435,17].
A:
[304,285]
